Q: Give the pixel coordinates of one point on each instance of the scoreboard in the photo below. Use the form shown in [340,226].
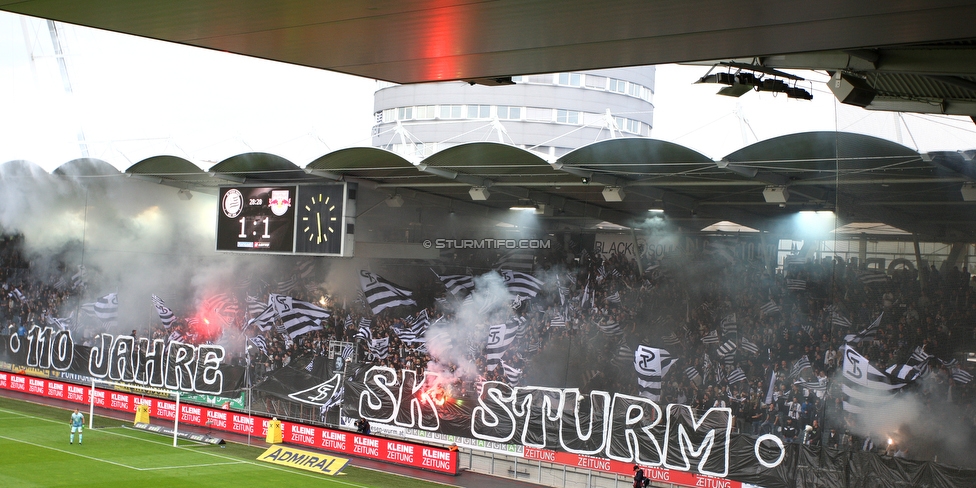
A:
[285,219]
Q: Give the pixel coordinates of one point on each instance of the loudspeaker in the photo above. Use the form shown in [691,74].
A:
[613,194]
[776,194]
[479,193]
[851,90]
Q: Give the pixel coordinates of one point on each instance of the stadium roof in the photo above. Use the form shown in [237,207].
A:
[916,56]
[863,179]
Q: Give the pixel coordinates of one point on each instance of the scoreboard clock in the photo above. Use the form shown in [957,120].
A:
[256,219]
[319,225]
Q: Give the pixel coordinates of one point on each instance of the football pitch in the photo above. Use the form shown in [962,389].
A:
[36,453]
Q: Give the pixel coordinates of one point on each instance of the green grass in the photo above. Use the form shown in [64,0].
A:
[36,453]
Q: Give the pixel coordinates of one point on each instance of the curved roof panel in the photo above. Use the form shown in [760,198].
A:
[495,161]
[85,167]
[260,167]
[636,158]
[809,154]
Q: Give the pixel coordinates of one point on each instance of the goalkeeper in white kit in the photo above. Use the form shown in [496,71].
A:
[77,425]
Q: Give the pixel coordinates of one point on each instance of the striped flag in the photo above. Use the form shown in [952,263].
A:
[651,364]
[106,309]
[298,317]
[872,277]
[457,285]
[499,338]
[19,295]
[381,294]
[518,260]
[165,314]
[265,319]
[305,267]
[61,284]
[557,321]
[865,388]
[415,328]
[624,354]
[749,346]
[380,348]
[902,372]
[288,285]
[865,335]
[796,285]
[364,333]
[512,374]
[727,349]
[961,376]
[691,373]
[254,306]
[800,365]
[711,337]
[610,327]
[175,336]
[672,339]
[78,279]
[221,306]
[62,323]
[769,308]
[839,320]
[521,284]
[729,324]
[615,298]
[919,360]
[736,376]
[260,343]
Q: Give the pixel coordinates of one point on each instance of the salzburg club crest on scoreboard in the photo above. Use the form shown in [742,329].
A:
[279,202]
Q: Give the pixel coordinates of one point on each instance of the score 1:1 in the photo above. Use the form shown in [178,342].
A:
[242,235]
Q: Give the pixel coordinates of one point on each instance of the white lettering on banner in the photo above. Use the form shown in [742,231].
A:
[333,440]
[436,463]
[365,441]
[427,453]
[36,386]
[686,445]
[177,366]
[76,393]
[594,463]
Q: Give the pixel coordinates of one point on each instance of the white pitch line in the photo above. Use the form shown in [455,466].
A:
[236,460]
[68,452]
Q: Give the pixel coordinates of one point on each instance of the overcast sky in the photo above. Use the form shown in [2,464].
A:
[133,98]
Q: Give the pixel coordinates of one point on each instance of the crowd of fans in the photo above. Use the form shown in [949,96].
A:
[593,311]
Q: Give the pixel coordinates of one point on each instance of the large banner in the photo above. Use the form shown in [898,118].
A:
[50,353]
[598,430]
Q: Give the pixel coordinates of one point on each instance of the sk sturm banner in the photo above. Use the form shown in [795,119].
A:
[598,430]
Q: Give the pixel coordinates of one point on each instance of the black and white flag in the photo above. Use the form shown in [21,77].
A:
[729,324]
[106,309]
[961,376]
[672,339]
[903,372]
[711,338]
[365,333]
[380,348]
[521,284]
[691,373]
[381,294]
[512,374]
[865,388]
[260,343]
[557,321]
[865,335]
[298,317]
[458,285]
[800,365]
[414,328]
[727,349]
[796,285]
[769,308]
[265,319]
[838,320]
[165,314]
[748,346]
[872,277]
[736,376]
[499,338]
[610,327]
[651,364]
